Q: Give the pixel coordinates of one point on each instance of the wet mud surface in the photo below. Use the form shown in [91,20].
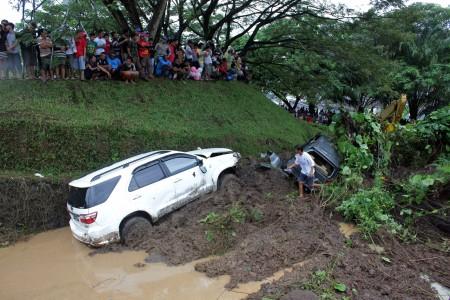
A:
[291,231]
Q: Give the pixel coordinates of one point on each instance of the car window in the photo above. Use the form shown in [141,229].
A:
[179,164]
[99,193]
[92,196]
[146,176]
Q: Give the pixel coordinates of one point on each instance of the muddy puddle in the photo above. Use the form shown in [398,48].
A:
[52,265]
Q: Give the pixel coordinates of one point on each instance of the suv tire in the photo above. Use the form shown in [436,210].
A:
[226,180]
[134,231]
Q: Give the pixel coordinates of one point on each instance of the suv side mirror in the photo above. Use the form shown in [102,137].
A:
[201,166]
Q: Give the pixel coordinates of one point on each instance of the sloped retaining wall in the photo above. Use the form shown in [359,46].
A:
[29,205]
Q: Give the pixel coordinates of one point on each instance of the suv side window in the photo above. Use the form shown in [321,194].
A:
[144,176]
[179,164]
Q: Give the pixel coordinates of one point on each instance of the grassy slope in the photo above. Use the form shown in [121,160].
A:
[70,126]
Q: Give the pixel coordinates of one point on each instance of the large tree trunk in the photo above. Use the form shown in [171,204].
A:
[158,14]
[133,13]
[117,14]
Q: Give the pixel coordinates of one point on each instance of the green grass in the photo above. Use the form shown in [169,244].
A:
[70,127]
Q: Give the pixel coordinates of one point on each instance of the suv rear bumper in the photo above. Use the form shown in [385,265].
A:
[93,238]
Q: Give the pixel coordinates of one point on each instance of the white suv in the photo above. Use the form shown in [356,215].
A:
[107,205]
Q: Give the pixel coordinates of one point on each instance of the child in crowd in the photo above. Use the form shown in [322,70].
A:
[180,69]
[163,67]
[93,70]
[59,58]
[195,73]
[145,68]
[103,62]
[108,44]
[208,63]
[114,62]
[129,73]
[70,57]
[80,55]
[91,46]
[45,45]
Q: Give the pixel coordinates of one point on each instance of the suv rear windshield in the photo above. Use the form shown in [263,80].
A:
[92,196]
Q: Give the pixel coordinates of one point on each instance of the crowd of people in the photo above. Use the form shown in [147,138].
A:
[320,116]
[129,56]
[311,114]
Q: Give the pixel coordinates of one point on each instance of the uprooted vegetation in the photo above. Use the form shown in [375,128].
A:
[393,180]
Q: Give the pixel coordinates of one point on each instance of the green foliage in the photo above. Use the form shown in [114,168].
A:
[221,228]
[366,193]
[423,142]
[323,283]
[370,208]
[76,127]
[256,215]
[340,287]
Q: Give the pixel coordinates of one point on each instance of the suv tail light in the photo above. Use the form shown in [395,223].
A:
[89,218]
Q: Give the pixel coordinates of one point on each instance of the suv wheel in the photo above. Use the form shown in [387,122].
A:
[134,231]
[227,180]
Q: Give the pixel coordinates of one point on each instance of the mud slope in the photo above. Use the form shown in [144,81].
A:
[291,231]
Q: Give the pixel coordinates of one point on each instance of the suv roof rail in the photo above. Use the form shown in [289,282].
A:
[125,165]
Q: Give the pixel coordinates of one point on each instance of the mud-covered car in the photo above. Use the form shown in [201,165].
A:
[114,202]
[323,152]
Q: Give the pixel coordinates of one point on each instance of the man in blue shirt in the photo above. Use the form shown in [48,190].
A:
[163,67]
[115,63]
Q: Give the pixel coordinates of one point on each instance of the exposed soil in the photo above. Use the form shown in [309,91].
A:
[292,231]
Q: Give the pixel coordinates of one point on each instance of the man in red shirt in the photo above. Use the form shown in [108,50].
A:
[144,57]
[80,43]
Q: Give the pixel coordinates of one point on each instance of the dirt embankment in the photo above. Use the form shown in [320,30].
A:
[289,232]
[30,206]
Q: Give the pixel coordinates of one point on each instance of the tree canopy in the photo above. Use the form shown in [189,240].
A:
[307,49]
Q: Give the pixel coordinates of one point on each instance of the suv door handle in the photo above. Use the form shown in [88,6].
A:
[177,180]
[137,197]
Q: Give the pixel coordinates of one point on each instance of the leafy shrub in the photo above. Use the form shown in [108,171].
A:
[370,208]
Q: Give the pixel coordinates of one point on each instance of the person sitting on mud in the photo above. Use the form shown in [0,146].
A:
[305,162]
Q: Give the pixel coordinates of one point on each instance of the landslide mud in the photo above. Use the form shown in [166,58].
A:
[290,232]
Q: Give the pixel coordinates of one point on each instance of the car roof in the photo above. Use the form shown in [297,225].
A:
[117,168]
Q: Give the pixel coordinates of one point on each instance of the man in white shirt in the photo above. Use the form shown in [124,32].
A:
[306,163]
[101,43]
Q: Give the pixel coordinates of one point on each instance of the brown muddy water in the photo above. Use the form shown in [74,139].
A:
[53,265]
